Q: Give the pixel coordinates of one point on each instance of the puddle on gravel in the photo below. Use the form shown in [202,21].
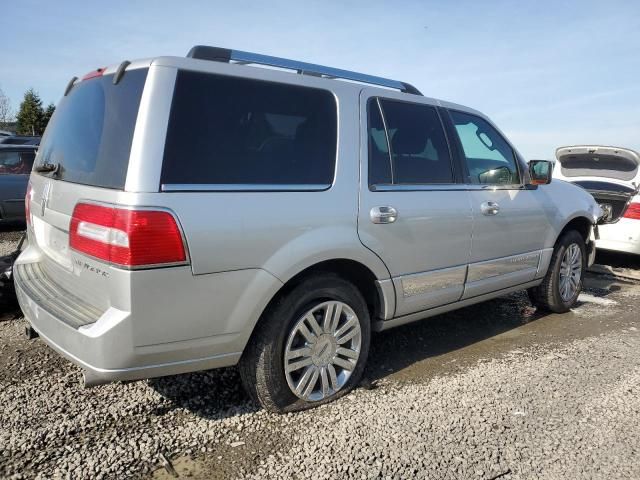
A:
[185,467]
[226,461]
[452,342]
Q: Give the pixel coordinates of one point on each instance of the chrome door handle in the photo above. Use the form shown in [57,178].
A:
[383,214]
[490,208]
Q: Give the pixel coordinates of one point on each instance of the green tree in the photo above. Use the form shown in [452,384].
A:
[47,115]
[30,118]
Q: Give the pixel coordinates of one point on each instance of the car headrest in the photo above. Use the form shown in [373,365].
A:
[407,141]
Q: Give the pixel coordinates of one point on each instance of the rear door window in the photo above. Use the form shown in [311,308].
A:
[15,163]
[407,145]
[91,130]
[489,158]
[229,131]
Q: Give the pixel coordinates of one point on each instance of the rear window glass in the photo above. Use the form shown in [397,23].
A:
[15,163]
[91,131]
[237,131]
[598,165]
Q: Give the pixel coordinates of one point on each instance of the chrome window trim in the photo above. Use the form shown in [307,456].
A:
[442,187]
[221,187]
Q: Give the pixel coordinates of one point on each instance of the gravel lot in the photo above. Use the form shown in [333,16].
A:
[9,239]
[492,391]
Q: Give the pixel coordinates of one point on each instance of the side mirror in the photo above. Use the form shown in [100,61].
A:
[540,172]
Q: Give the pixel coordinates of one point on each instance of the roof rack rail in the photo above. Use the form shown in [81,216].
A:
[216,54]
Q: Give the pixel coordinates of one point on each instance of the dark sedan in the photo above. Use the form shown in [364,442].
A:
[19,140]
[15,166]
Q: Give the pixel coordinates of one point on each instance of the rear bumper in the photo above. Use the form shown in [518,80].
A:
[156,338]
[622,236]
[77,348]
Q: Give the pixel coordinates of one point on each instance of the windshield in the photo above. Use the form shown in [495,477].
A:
[90,133]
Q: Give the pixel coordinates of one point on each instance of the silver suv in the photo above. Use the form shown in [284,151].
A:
[201,212]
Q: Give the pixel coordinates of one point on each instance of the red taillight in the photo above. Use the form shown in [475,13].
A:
[129,238]
[27,204]
[94,73]
[633,211]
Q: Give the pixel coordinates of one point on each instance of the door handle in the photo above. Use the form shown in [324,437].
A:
[383,214]
[490,208]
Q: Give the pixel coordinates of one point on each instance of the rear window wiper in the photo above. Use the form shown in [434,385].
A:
[47,168]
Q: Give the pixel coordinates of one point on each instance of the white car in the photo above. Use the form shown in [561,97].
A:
[612,176]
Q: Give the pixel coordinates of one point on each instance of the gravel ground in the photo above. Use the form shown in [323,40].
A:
[10,236]
[9,241]
[566,413]
[493,391]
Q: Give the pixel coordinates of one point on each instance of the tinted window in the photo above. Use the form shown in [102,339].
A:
[228,130]
[419,150]
[91,130]
[16,163]
[20,141]
[379,159]
[489,158]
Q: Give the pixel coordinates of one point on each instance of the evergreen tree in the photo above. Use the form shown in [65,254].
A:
[30,118]
[47,115]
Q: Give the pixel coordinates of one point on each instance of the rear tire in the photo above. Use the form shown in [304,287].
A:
[322,324]
[562,283]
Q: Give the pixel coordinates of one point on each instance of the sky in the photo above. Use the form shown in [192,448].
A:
[549,73]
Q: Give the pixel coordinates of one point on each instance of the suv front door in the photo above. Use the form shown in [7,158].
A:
[510,220]
[412,213]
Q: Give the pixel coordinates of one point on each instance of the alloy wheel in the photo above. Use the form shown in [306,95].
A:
[570,272]
[322,351]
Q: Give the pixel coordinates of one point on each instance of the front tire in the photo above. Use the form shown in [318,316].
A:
[310,347]
[562,283]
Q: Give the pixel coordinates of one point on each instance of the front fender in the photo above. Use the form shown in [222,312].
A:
[565,202]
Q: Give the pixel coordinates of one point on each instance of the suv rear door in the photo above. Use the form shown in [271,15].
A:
[89,141]
[412,213]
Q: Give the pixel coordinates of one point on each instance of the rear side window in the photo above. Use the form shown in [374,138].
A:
[418,153]
[229,131]
[91,131]
[16,163]
[490,159]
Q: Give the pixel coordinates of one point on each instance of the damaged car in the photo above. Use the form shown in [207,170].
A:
[612,176]
[190,213]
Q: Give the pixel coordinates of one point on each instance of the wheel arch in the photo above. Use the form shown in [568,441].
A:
[581,224]
[361,276]
[379,295]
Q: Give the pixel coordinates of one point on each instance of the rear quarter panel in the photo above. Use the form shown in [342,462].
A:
[280,232]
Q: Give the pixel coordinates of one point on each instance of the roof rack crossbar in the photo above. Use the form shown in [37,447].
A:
[202,52]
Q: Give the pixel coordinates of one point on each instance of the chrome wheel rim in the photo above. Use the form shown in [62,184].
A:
[570,272]
[322,351]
